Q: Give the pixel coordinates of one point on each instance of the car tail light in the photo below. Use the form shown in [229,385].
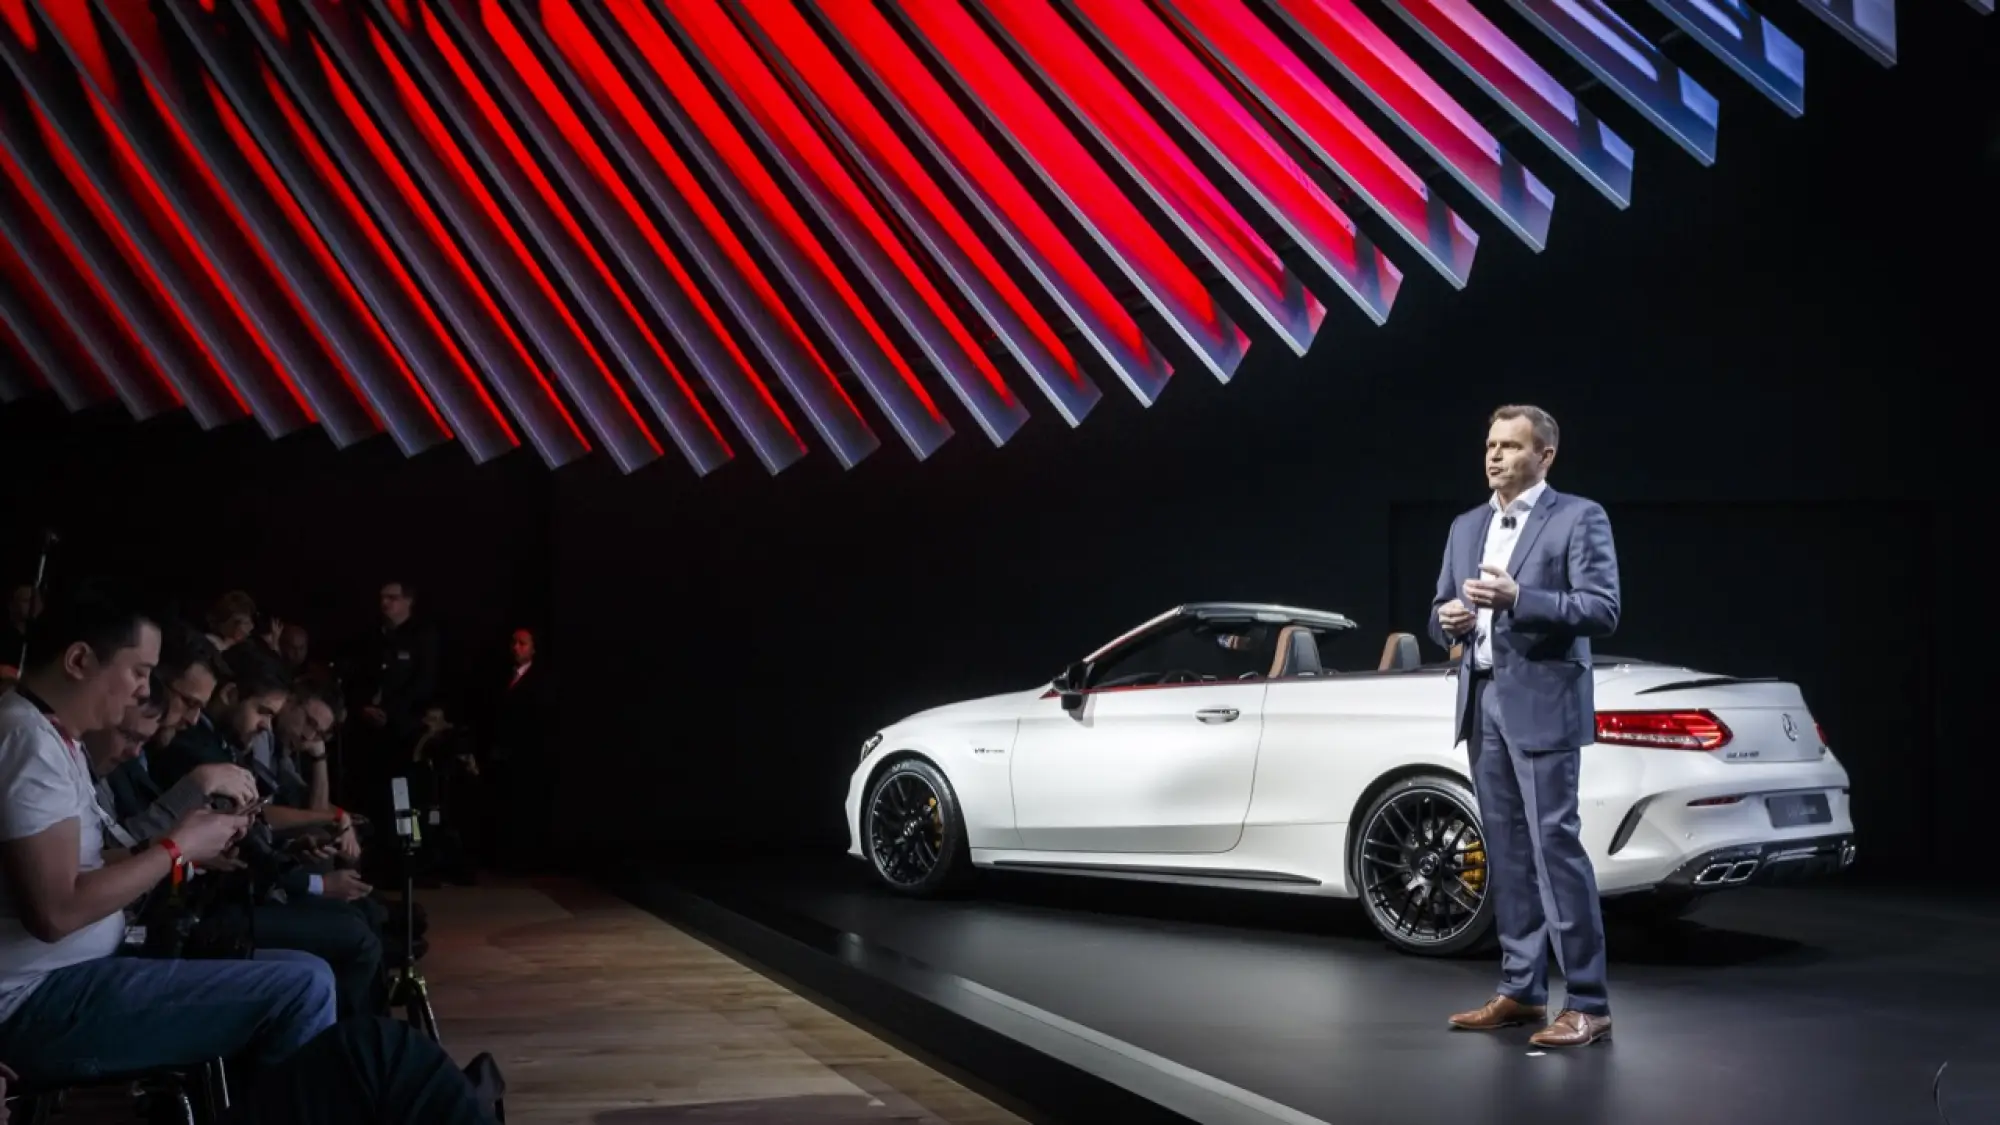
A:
[1664,730]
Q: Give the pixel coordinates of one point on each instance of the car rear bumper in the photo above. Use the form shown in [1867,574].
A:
[1770,862]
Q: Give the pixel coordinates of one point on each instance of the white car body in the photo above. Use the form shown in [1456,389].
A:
[1135,783]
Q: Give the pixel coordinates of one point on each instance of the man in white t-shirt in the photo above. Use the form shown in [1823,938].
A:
[69,1007]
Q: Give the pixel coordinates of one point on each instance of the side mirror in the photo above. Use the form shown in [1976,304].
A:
[1071,683]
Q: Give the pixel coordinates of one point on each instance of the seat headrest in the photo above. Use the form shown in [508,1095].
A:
[1298,653]
[1400,653]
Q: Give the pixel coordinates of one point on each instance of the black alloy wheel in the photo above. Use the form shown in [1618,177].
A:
[916,838]
[1420,867]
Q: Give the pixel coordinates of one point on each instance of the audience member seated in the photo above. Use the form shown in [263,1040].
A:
[186,677]
[305,894]
[232,620]
[69,1008]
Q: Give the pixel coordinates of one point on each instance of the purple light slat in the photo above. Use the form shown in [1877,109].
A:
[878,53]
[1633,67]
[1397,86]
[654,267]
[1178,79]
[1749,44]
[39,340]
[967,54]
[770,118]
[1155,164]
[103,345]
[1236,39]
[817,78]
[170,333]
[1868,24]
[1530,94]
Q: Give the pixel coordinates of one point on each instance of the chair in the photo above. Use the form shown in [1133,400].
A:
[202,1092]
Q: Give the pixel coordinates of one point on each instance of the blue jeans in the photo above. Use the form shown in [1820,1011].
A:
[120,1015]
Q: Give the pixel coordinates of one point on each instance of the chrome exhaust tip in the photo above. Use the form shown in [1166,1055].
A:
[1846,855]
[1714,875]
[1741,871]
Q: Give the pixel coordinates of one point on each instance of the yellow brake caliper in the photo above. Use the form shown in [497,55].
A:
[1473,852]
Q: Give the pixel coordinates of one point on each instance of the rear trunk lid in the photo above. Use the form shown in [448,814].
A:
[1760,720]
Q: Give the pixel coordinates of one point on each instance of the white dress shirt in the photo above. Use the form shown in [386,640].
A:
[1500,541]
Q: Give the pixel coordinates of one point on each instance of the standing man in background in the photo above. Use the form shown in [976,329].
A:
[395,676]
[1529,577]
[518,776]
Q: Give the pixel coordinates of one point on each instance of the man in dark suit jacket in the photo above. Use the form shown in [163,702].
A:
[518,778]
[1529,577]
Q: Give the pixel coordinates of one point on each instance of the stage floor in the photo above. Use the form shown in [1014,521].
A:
[1830,1005]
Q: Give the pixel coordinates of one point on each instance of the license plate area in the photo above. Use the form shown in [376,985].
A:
[1791,810]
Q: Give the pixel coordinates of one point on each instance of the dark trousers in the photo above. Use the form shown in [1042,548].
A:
[1544,889]
[369,1070]
[339,934]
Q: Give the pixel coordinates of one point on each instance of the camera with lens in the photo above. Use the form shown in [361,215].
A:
[204,919]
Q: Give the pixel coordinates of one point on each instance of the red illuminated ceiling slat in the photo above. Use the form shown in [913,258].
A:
[1156,165]
[38,329]
[21,372]
[380,389]
[374,314]
[382,128]
[325,200]
[510,66]
[677,95]
[54,266]
[1392,80]
[327,244]
[715,45]
[92,219]
[871,144]
[878,52]
[181,275]
[1237,39]
[1147,47]
[1529,94]
[631,132]
[818,175]
[490,139]
[207,238]
[1047,150]
[634,101]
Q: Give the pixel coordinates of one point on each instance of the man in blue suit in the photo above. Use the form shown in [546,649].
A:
[1529,578]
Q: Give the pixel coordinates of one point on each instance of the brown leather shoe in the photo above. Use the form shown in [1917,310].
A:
[1573,1029]
[1501,1011]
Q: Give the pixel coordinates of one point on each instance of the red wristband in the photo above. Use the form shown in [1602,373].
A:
[173,851]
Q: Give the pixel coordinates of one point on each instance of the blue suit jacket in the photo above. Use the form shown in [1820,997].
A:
[1567,569]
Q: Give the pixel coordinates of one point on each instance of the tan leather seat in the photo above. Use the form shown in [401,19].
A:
[1400,653]
[1297,655]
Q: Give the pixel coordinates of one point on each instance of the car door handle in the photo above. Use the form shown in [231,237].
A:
[1218,714]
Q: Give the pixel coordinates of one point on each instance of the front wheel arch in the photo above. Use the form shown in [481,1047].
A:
[1367,801]
[1430,784]
[953,866]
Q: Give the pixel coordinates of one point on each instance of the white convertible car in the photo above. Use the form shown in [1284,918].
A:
[1210,747]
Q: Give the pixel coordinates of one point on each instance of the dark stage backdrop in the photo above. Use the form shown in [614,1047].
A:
[1764,368]
[310,532]
[1768,369]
